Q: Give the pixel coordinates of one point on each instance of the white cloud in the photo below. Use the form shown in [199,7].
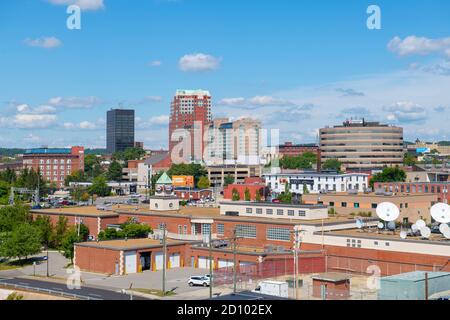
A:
[42,109]
[75,102]
[159,120]
[31,138]
[257,101]
[198,62]
[155,63]
[83,4]
[405,112]
[87,125]
[34,121]
[46,42]
[413,45]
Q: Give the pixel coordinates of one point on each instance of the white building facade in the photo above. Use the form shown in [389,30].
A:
[317,182]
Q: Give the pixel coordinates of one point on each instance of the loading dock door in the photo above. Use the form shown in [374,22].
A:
[175,260]
[130,262]
[159,260]
[225,263]
[202,263]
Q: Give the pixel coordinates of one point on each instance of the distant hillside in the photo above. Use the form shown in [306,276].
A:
[444,143]
[11,152]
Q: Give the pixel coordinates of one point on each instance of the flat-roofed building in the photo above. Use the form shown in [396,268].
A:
[54,164]
[361,145]
[441,189]
[412,206]
[217,173]
[315,182]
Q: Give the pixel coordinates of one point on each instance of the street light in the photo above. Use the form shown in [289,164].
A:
[296,233]
[210,262]
[164,260]
[47,261]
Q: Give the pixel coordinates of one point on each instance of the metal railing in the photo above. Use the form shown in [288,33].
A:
[47,291]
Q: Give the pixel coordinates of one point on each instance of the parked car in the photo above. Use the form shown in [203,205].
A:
[199,281]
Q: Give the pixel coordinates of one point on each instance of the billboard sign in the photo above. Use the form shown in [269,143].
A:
[183,181]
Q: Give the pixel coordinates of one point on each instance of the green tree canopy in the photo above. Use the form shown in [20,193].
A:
[114,172]
[332,164]
[99,187]
[92,167]
[129,154]
[60,230]
[247,195]
[44,224]
[77,176]
[203,183]
[391,174]
[235,195]
[191,169]
[10,216]
[24,240]
[409,160]
[229,179]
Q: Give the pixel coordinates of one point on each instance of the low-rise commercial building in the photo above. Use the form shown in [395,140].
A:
[217,174]
[441,189]
[412,206]
[313,182]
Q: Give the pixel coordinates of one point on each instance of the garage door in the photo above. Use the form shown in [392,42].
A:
[130,262]
[175,260]
[203,263]
[159,260]
[225,263]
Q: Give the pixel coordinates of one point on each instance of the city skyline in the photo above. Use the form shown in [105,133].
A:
[294,67]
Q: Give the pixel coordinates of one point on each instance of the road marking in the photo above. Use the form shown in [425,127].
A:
[93,294]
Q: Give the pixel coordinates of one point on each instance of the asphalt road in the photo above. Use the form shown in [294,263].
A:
[86,292]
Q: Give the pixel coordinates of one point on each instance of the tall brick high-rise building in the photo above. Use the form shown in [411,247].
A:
[190,116]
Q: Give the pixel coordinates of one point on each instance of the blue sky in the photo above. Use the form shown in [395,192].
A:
[296,65]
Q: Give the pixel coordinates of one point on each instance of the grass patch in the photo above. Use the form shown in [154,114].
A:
[16,264]
[155,292]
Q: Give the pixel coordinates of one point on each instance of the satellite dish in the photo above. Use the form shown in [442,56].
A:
[420,224]
[425,232]
[414,228]
[391,225]
[447,234]
[441,212]
[380,225]
[387,211]
[443,227]
[403,234]
[359,224]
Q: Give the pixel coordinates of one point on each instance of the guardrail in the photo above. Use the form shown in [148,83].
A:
[47,291]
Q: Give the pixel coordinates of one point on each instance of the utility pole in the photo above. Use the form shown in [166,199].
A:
[426,285]
[47,262]
[210,262]
[296,233]
[164,261]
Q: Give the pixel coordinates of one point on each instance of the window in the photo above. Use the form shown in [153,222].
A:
[331,204]
[246,231]
[359,244]
[248,210]
[356,205]
[348,243]
[375,243]
[387,244]
[302,213]
[374,205]
[290,212]
[269,211]
[220,229]
[180,229]
[258,211]
[281,234]
[406,205]
[401,205]
[344,204]
[280,212]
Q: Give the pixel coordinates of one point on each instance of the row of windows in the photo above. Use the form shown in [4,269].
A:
[247,231]
[42,168]
[414,189]
[279,212]
[281,234]
[55,161]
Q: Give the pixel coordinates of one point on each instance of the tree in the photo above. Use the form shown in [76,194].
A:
[23,241]
[134,153]
[228,180]
[303,161]
[60,231]
[258,196]
[68,242]
[409,160]
[247,195]
[305,189]
[136,230]
[203,183]
[92,167]
[8,176]
[99,187]
[332,164]
[391,174]
[44,224]
[286,195]
[77,176]
[191,169]
[114,172]
[10,216]
[4,192]
[235,195]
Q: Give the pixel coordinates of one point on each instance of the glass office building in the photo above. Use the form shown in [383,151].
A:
[119,130]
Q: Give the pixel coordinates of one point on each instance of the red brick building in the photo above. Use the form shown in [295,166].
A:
[294,150]
[54,164]
[442,189]
[189,108]
[255,185]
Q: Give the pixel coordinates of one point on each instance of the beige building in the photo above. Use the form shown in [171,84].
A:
[217,174]
[360,145]
[412,206]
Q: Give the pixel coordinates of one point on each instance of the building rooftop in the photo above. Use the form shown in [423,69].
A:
[82,211]
[331,277]
[371,195]
[48,151]
[416,276]
[130,244]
